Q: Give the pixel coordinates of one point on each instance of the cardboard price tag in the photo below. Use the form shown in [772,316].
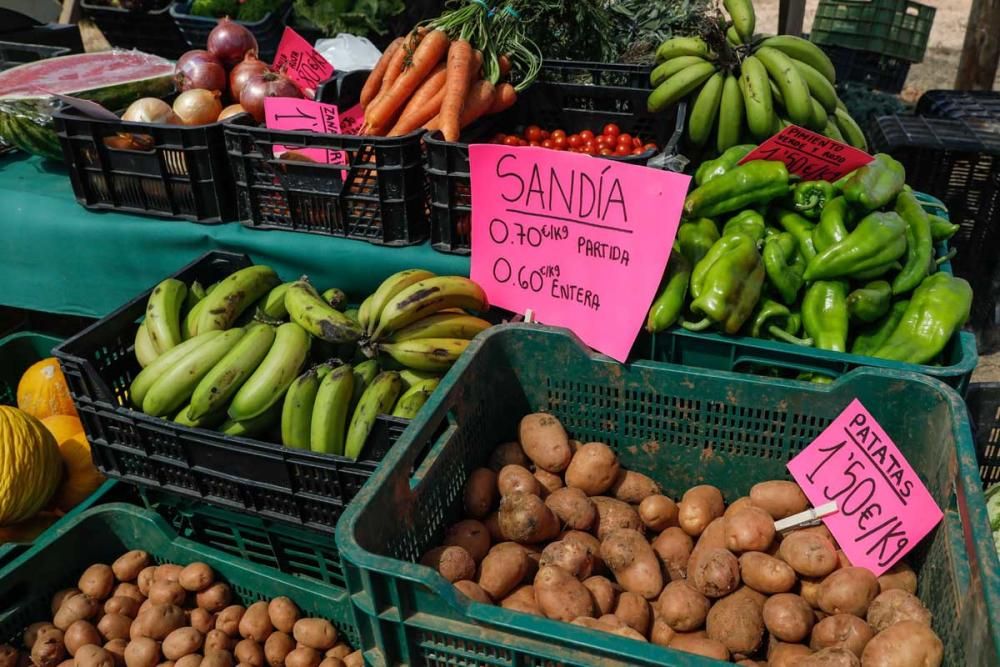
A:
[579,240]
[290,113]
[883,509]
[809,155]
[301,62]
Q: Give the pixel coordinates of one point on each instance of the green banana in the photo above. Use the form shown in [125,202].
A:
[819,116]
[154,371]
[308,309]
[819,86]
[208,290]
[744,19]
[336,298]
[426,297]
[297,410]
[413,399]
[378,398]
[733,37]
[683,46]
[328,425]
[226,378]
[173,389]
[668,68]
[195,294]
[233,295]
[804,51]
[352,313]
[441,325]
[730,115]
[372,307]
[676,87]
[426,354]
[411,377]
[280,367]
[249,428]
[757,98]
[850,129]
[831,130]
[794,89]
[273,304]
[364,373]
[208,421]
[163,314]
[705,109]
[188,326]
[145,353]
[779,99]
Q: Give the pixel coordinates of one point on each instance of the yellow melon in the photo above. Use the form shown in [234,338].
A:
[62,427]
[30,465]
[42,390]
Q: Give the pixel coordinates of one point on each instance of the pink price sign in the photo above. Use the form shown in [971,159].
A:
[810,156]
[579,240]
[883,509]
[291,113]
[301,62]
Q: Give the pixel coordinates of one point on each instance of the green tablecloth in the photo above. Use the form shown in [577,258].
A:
[61,258]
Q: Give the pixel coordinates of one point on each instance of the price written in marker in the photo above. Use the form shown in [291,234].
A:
[579,240]
[884,509]
[809,155]
[289,113]
[301,62]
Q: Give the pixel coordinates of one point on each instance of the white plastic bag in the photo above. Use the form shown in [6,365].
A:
[349,52]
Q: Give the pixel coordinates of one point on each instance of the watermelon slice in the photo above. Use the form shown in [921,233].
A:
[112,78]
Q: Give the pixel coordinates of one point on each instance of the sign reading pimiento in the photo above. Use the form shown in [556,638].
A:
[580,241]
[809,155]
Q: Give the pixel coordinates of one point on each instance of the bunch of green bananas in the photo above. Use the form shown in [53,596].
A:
[749,87]
[251,352]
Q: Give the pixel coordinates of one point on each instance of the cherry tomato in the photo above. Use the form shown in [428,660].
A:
[650,147]
[637,142]
[574,140]
[623,150]
[533,133]
[606,151]
[512,141]
[611,130]
[523,142]
[558,133]
[602,141]
[534,143]
[625,138]
[559,141]
[547,143]
[590,148]
[638,151]
[545,135]
[587,135]
[499,137]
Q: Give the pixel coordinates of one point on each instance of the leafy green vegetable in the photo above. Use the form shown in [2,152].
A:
[254,10]
[575,30]
[359,17]
[639,26]
[215,8]
[993,508]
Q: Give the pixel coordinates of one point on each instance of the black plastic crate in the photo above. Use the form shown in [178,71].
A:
[874,70]
[378,195]
[185,174]
[195,29]
[983,401]
[151,31]
[983,105]
[13,54]
[260,478]
[574,96]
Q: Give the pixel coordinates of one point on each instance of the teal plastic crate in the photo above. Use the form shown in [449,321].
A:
[896,28]
[18,351]
[102,534]
[754,355]
[682,426]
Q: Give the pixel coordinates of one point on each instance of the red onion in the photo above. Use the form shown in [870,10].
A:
[198,107]
[230,111]
[261,86]
[248,67]
[230,42]
[200,69]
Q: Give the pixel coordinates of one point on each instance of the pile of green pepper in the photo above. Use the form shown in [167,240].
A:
[848,266]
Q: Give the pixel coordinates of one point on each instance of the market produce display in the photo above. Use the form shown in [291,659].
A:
[141,614]
[246,10]
[610,141]
[252,355]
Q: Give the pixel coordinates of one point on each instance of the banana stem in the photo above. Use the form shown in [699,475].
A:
[783,335]
[700,325]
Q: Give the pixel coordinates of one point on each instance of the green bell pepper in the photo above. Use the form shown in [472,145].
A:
[811,197]
[876,334]
[832,227]
[878,271]
[784,265]
[937,309]
[919,244]
[869,303]
[824,314]
[776,320]
[755,182]
[711,169]
[695,237]
[880,238]
[667,307]
[941,229]
[748,222]
[799,227]
[726,284]
[874,185]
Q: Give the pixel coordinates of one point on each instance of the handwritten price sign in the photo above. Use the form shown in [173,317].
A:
[883,509]
[579,240]
[289,113]
[811,156]
[301,62]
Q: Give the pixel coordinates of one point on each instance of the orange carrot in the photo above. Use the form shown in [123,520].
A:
[479,101]
[460,62]
[430,52]
[505,65]
[421,107]
[374,81]
[505,98]
[433,124]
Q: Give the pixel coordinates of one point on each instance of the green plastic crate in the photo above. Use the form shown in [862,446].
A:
[682,426]
[104,533]
[17,352]
[897,28]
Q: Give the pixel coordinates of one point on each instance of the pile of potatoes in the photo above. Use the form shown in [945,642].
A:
[559,529]
[136,614]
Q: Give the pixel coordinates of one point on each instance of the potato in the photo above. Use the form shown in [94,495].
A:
[509,453]
[545,442]
[452,563]
[8,656]
[116,647]
[78,607]
[681,607]
[779,498]
[699,645]
[900,576]
[592,544]
[142,652]
[80,633]
[214,598]
[603,594]
[492,523]
[905,644]
[196,577]
[634,563]
[129,565]
[182,642]
[549,481]
[256,623]
[572,556]
[634,611]
[129,590]
[332,662]
[572,507]
[481,493]
[513,478]
[780,654]
[193,660]
[473,591]
[62,596]
[503,569]
[788,617]
[809,591]
[673,548]
[355,659]
[737,621]
[699,506]
[633,487]
[661,633]
[167,592]
[713,537]
[203,621]
[249,652]
[340,650]
[303,656]
[524,518]
[472,536]
[97,581]
[715,573]
[160,620]
[592,469]
[277,646]
[613,514]
[317,633]
[523,599]
[90,655]
[32,632]
[560,595]
[217,659]
[848,591]
[750,529]
[217,640]
[658,512]
[841,630]
[283,614]
[145,579]
[766,574]
[831,657]
[228,620]
[114,626]
[119,604]
[49,648]
[894,606]
[167,572]
[809,554]
[737,505]
[616,626]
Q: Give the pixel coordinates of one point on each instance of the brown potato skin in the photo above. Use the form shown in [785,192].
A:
[504,568]
[900,576]
[471,535]
[9,656]
[452,563]
[673,547]
[513,478]
[33,631]
[506,454]
[283,614]
[633,487]
[167,572]
[181,642]
[593,469]
[114,626]
[193,660]
[699,506]
[119,604]
[613,514]
[572,507]
[142,652]
[896,605]
[809,554]
[492,523]
[903,644]
[167,592]
[196,577]
[524,518]
[75,608]
[788,617]
[160,620]
[217,640]
[128,566]
[560,595]
[80,633]
[831,657]
[737,621]
[658,512]
[277,646]
[848,591]
[49,648]
[256,624]
[603,594]
[545,442]
[228,620]
[317,633]
[355,659]
[523,599]
[779,498]
[92,656]
[481,493]
[780,654]
[843,630]
[97,581]
[699,645]
[202,621]
[473,591]
[340,650]
[249,652]
[661,633]
[129,590]
[766,574]
[332,662]
[714,574]
[634,611]
[750,529]
[116,647]
[145,579]
[572,556]
[214,598]
[740,503]
[634,563]
[681,607]
[549,481]
[217,659]
[62,596]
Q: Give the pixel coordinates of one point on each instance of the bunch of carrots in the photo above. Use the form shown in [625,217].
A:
[448,73]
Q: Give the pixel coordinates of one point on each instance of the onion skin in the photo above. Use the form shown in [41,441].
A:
[230,111]
[200,69]
[150,110]
[230,42]
[268,84]
[249,67]
[198,107]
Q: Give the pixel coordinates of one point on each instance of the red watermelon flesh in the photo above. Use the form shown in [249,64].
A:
[82,72]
